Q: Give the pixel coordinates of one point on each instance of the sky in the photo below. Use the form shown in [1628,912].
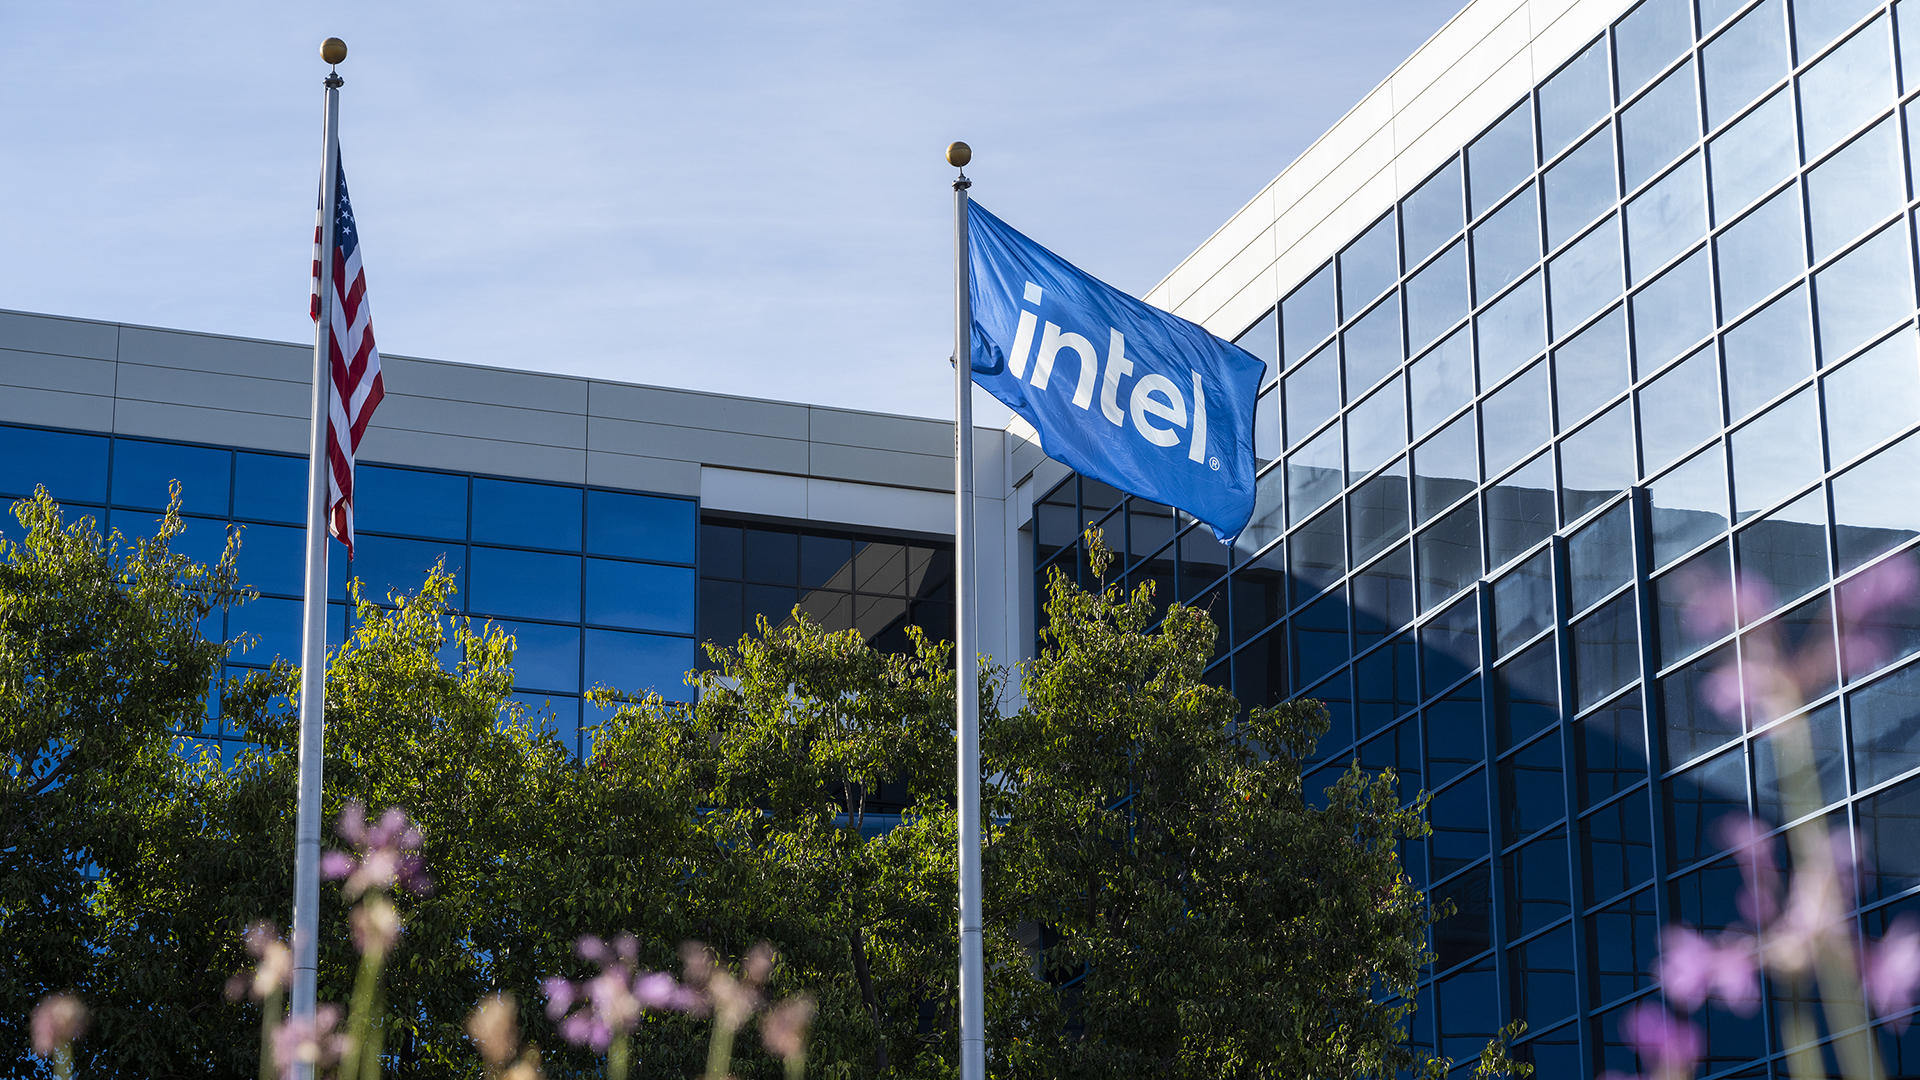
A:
[737,197]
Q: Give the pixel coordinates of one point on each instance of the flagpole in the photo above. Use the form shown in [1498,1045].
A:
[313,652]
[973,1016]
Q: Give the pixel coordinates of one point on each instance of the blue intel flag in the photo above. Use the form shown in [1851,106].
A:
[1144,400]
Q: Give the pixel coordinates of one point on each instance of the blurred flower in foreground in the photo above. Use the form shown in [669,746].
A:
[494,1028]
[1666,1042]
[274,967]
[612,1001]
[389,853]
[312,1042]
[1890,970]
[57,1021]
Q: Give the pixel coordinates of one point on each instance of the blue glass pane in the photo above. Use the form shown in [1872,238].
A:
[1450,646]
[1776,455]
[1372,347]
[637,663]
[1596,462]
[270,487]
[1386,684]
[1262,339]
[1846,87]
[1768,353]
[1520,511]
[1700,798]
[1523,603]
[1446,467]
[1320,636]
[1855,188]
[1606,652]
[1267,443]
[1501,158]
[1600,556]
[525,583]
[1673,312]
[1441,381]
[1456,736]
[1574,98]
[1907,15]
[1584,278]
[277,623]
[387,565]
[534,515]
[1469,930]
[1307,315]
[1890,819]
[1313,394]
[1376,430]
[1752,156]
[723,546]
[1886,743]
[640,526]
[202,541]
[1876,504]
[1580,188]
[1817,22]
[1526,697]
[1872,397]
[1591,369]
[1383,602]
[639,595]
[143,470]
[73,467]
[1866,291]
[1659,127]
[1537,882]
[1532,789]
[1787,551]
[1511,332]
[1268,520]
[1649,39]
[1611,745]
[1666,219]
[1437,297]
[1516,419]
[1314,474]
[1432,214]
[1689,506]
[1317,555]
[1762,252]
[545,657]
[1368,267]
[273,559]
[1449,555]
[1748,58]
[1680,409]
[1505,245]
[1618,844]
[410,501]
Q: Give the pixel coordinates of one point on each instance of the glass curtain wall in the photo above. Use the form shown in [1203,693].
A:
[1652,329]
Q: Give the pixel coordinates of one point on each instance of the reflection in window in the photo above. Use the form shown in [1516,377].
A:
[528,584]
[1625,944]
[1886,727]
[1437,297]
[1532,788]
[1520,511]
[1511,331]
[1314,474]
[640,596]
[1600,556]
[1574,98]
[143,471]
[530,515]
[1706,580]
[1516,418]
[1432,214]
[1890,827]
[1611,744]
[1689,506]
[1776,455]
[1376,430]
[265,486]
[1317,555]
[1505,245]
[1385,679]
[1673,312]
[1820,731]
[1584,278]
[1693,725]
[1456,735]
[1618,844]
[1267,443]
[1543,980]
[1441,381]
[1768,353]
[1320,636]
[1446,467]
[1855,188]
[410,501]
[1372,347]
[1752,156]
[1449,555]
[1606,651]
[1501,158]
[1866,291]
[1871,398]
[1368,267]
[1379,509]
[1649,39]
[1876,504]
[1459,816]
[1526,695]
[1591,369]
[640,526]
[1450,646]
[1579,188]
[1749,57]
[628,661]
[1313,394]
[72,467]
[1523,603]
[1655,129]
[1537,889]
[1847,86]
[1383,601]
[1762,252]
[1307,315]
[1787,549]
[1596,462]
[1262,339]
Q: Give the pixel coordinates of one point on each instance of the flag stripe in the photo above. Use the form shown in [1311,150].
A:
[352,359]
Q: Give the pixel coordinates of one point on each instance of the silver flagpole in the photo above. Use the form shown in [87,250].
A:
[973,1013]
[313,652]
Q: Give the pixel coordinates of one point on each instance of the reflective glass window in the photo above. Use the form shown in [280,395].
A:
[1693,725]
[1385,680]
[1584,278]
[640,526]
[1704,581]
[1307,315]
[1761,252]
[1846,87]
[1520,510]
[1776,455]
[1532,788]
[534,515]
[1446,467]
[1383,600]
[1855,188]
[1466,932]
[1511,331]
[882,566]
[1260,675]
[1606,651]
[1267,522]
[1574,98]
[1259,594]
[1649,39]
[1907,16]
[1267,443]
[545,657]
[1397,749]
[1876,504]
[1372,346]
[202,541]
[1262,339]
[1501,158]
[1788,548]
[1886,727]
[1437,297]
[1689,506]
[1379,509]
[1456,736]
[269,487]
[273,559]
[277,625]
[1537,888]
[1449,555]
[1625,945]
[1768,353]
[1749,57]
[1804,632]
[410,501]
[1505,245]
[1752,156]
[1580,188]
[1611,745]
[525,583]
[1618,844]
[73,467]
[1890,828]
[1441,381]
[1673,312]
[1666,219]
[1866,291]
[1817,22]
[720,610]
[1320,636]
[1459,816]
[772,556]
[1338,698]
[1526,696]
[636,663]
[639,595]
[722,546]
[1600,556]
[1523,603]
[1596,462]
[1368,267]
[386,565]
[1313,394]
[1699,798]
[143,471]
[1432,214]
[1314,474]
[1317,555]
[1658,127]
[1872,397]
[1516,418]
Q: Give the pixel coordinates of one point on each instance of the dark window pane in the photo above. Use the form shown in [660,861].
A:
[1449,555]
[1704,583]
[1606,651]
[1260,674]
[1318,555]
[1469,931]
[1760,253]
[1580,188]
[1384,689]
[1574,98]
[1689,506]
[1752,156]
[1437,297]
[1523,603]
[1446,467]
[1450,646]
[1872,397]
[1520,511]
[1338,698]
[1267,441]
[1314,474]
[1368,267]
[1819,731]
[720,618]
[1855,188]
[1313,394]
[1611,745]
[1399,750]
[1584,278]
[410,501]
[1699,799]
[1868,290]
[1600,556]
[1501,158]
[142,472]
[73,467]
[721,546]
[1532,788]
[1268,522]
[534,515]
[1431,214]
[1379,509]
[525,583]
[1890,828]
[1459,817]
[1768,353]
[1787,551]
[1307,315]
[1456,736]
[1505,245]
[1372,347]
[639,595]
[1618,843]
[1320,636]
[1543,979]
[1591,369]
[1882,615]
[1383,598]
[1673,313]
[637,663]
[1262,339]
[1873,504]
[1680,409]
[1776,455]
[1516,419]
[545,657]
[1886,727]
[1259,594]
[265,486]
[1596,462]
[1537,888]
[1203,558]
[1693,724]
[1511,331]
[882,620]
[1658,127]
[1526,695]
[276,624]
[386,565]
[273,559]
[640,526]
[882,568]
[773,558]
[1748,58]
[1847,86]
[1625,941]
[826,562]
[1376,430]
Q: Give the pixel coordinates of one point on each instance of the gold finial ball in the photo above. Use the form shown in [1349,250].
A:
[959,154]
[333,50]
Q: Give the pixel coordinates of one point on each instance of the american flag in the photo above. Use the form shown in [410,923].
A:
[355,383]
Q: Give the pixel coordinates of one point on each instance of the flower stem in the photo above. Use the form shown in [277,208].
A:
[270,1010]
[360,1018]
[619,1055]
[720,1051]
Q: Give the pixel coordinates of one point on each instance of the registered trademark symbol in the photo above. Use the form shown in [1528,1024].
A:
[1214,464]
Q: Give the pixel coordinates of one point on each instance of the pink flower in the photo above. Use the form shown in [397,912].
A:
[1711,606]
[1747,837]
[784,1028]
[388,853]
[57,1021]
[1890,970]
[1816,904]
[1863,640]
[1693,969]
[1665,1040]
[310,1041]
[612,1002]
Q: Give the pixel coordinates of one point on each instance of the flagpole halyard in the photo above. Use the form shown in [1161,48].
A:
[966,646]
